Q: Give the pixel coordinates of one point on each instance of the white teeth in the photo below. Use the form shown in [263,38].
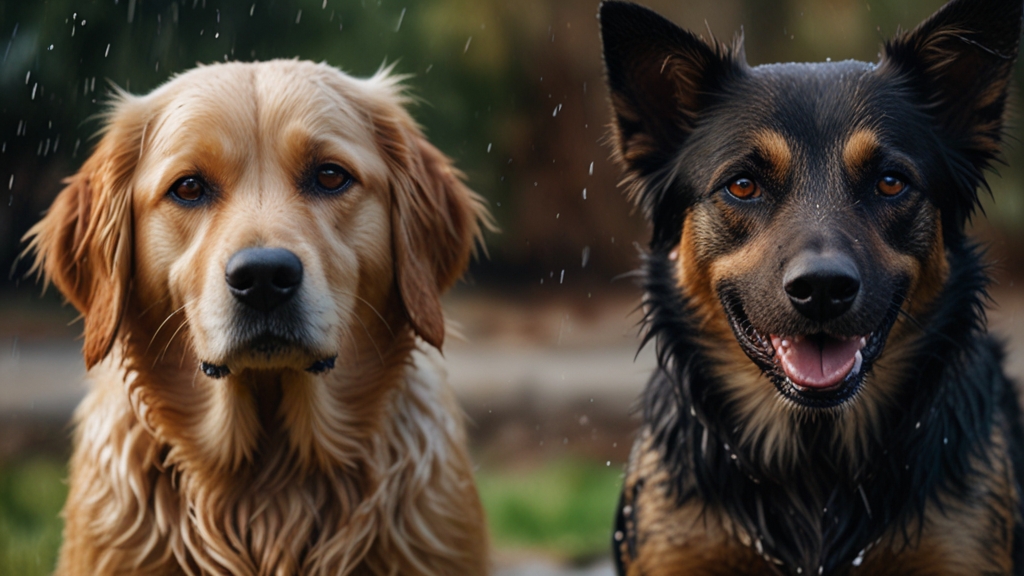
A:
[858,362]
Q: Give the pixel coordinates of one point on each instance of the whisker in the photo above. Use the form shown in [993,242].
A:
[374,310]
[154,304]
[157,331]
[168,345]
[370,337]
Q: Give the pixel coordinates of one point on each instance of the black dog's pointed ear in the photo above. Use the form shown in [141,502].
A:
[659,76]
[959,62]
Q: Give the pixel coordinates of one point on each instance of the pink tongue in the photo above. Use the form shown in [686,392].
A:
[813,363]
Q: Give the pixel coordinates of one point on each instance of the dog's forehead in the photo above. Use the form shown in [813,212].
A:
[279,108]
[804,114]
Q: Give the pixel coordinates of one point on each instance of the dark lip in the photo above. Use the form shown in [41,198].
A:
[268,345]
[760,350]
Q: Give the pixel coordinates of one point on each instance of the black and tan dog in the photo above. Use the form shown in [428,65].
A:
[828,401]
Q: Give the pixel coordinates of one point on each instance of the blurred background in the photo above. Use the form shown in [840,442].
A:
[548,370]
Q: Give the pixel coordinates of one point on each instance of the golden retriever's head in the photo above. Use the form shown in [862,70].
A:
[255,218]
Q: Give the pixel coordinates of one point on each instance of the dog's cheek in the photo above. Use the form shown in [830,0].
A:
[694,275]
[358,270]
[926,270]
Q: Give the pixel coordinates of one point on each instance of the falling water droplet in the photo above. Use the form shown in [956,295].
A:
[400,18]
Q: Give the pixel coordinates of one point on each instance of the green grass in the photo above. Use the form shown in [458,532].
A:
[31,495]
[561,508]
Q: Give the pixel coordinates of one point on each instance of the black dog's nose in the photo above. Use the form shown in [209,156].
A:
[263,278]
[822,287]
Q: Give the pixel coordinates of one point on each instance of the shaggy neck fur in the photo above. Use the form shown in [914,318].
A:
[273,474]
[831,503]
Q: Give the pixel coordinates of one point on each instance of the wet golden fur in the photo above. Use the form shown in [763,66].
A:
[272,470]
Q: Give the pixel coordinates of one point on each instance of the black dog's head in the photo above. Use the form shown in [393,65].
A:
[804,208]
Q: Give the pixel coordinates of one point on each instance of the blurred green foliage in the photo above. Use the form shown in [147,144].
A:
[32,493]
[563,508]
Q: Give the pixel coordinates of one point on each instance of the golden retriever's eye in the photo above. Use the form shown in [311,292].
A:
[188,190]
[891,185]
[744,189]
[331,178]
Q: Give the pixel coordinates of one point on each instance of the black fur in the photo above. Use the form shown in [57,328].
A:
[667,134]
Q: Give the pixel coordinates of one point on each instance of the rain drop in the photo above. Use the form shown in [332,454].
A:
[400,18]
[561,277]
[10,183]
[591,169]
[27,76]
[466,49]
[488,147]
[298,17]
[252,9]
[584,193]
[107,51]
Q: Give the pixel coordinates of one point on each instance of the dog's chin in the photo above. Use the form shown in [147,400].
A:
[815,370]
[269,353]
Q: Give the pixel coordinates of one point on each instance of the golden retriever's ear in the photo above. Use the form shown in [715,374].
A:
[435,221]
[83,244]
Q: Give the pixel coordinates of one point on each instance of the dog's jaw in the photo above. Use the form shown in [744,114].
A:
[774,355]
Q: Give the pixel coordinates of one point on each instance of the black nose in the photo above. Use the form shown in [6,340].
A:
[822,287]
[263,278]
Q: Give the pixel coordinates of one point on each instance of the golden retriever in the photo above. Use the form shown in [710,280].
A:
[255,248]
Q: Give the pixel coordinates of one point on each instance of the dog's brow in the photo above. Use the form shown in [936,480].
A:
[775,150]
[860,147]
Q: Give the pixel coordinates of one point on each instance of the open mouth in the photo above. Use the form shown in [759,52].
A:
[817,370]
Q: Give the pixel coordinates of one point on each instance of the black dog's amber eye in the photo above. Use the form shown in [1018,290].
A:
[891,185]
[188,190]
[744,189]
[332,178]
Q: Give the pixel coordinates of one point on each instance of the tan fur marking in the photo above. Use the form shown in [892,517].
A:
[968,536]
[775,149]
[859,149]
[679,541]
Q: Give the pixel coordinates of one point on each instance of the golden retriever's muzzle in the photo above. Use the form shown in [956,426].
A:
[267,319]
